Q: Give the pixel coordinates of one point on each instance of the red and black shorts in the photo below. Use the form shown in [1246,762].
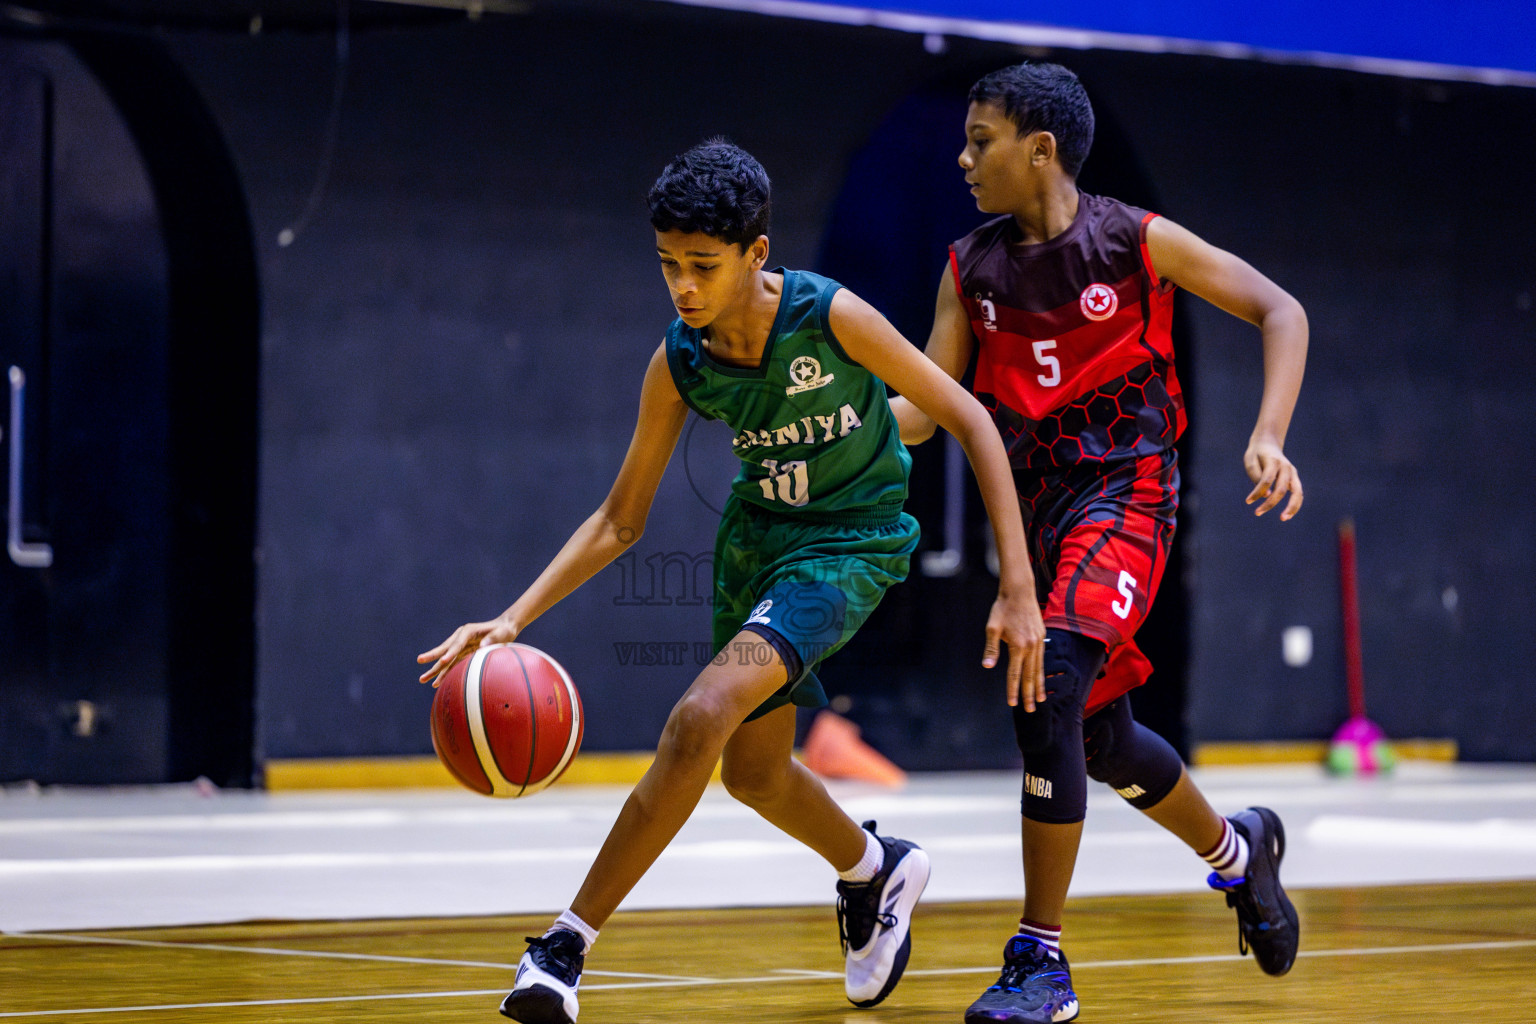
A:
[1099,538]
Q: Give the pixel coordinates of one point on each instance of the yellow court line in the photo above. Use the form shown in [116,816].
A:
[602,768]
[624,768]
[1209,755]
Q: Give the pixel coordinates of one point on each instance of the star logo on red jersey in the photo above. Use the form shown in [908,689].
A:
[1098,302]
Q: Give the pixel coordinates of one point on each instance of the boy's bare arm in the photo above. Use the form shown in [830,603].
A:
[606,534]
[874,343]
[949,347]
[1227,282]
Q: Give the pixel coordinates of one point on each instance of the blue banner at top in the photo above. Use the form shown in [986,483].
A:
[1463,33]
[1392,37]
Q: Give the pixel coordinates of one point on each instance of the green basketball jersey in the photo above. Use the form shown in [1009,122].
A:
[814,430]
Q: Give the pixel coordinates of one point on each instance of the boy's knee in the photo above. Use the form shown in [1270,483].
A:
[1131,759]
[1038,731]
[1051,736]
[697,728]
[1072,662]
[755,786]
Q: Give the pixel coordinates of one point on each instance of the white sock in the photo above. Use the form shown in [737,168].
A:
[568,921]
[1229,858]
[869,865]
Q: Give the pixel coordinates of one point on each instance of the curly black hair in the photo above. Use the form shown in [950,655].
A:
[716,188]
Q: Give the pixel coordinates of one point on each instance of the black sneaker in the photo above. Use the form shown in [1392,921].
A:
[547,978]
[1035,988]
[874,921]
[1266,920]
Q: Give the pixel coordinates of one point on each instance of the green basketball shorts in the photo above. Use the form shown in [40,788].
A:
[807,583]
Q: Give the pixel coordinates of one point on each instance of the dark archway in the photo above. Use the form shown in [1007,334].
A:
[132,656]
[214,369]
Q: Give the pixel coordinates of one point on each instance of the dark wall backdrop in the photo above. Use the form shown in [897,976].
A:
[454,341]
[1415,268]
[128,307]
[452,346]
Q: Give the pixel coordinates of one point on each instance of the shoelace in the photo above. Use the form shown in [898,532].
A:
[1249,907]
[549,959]
[1011,980]
[862,912]
[1014,975]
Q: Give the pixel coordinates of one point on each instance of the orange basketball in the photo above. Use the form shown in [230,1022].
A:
[506,721]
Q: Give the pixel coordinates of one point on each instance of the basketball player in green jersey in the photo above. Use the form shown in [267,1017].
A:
[811,537]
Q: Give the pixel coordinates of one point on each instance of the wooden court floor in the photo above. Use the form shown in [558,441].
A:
[1383,955]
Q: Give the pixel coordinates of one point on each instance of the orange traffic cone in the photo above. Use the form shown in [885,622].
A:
[833,750]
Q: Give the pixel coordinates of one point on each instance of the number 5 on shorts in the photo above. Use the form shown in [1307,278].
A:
[1127,585]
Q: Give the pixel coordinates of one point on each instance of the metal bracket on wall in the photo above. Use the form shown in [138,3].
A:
[28,556]
[951,559]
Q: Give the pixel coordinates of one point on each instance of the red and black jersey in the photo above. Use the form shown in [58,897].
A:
[1076,349]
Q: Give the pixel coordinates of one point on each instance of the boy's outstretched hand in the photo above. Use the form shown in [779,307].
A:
[1273,478]
[464,641]
[1018,623]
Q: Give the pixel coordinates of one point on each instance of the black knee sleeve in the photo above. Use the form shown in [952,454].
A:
[1133,760]
[1051,736]
[1072,663]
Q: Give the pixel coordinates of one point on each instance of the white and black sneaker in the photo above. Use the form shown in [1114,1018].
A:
[547,978]
[874,920]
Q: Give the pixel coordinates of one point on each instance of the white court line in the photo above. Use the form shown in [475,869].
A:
[1320,793]
[258,818]
[315,953]
[1500,834]
[1439,947]
[160,1007]
[244,821]
[262,950]
[284,861]
[779,976]
[1489,834]
[719,849]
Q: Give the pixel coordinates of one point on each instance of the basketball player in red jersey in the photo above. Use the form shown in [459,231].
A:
[1068,299]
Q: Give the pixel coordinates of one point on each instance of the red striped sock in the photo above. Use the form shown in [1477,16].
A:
[1228,858]
[1048,936]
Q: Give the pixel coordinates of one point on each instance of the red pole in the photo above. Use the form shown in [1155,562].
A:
[1354,669]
